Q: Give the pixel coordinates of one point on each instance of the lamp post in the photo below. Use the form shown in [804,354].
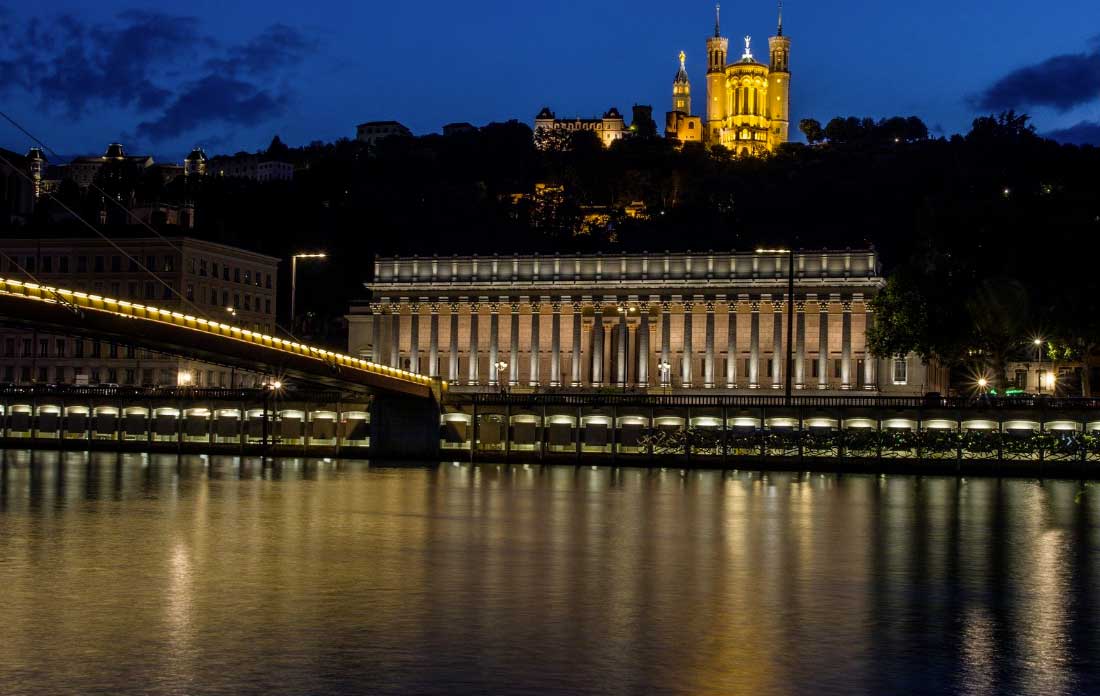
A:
[500,366]
[789,362]
[1039,354]
[665,368]
[294,278]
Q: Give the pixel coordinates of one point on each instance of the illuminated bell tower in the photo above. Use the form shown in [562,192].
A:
[716,81]
[681,89]
[779,86]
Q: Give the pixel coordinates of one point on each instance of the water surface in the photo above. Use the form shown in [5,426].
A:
[194,575]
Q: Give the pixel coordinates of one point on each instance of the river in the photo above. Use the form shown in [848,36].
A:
[218,575]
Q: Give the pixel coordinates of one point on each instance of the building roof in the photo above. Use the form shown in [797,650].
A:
[382,123]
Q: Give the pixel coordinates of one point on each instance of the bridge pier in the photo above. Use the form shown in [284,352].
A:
[404,427]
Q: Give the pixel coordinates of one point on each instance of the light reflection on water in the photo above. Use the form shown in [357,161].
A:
[158,574]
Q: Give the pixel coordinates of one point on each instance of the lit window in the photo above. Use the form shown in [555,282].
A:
[901,371]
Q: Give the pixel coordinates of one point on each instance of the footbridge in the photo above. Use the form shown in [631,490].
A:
[405,405]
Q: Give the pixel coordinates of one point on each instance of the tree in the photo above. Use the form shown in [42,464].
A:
[811,128]
[277,150]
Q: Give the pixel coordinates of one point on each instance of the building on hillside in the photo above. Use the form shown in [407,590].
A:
[681,322]
[83,170]
[748,102]
[459,128]
[253,167]
[215,281]
[609,128]
[373,131]
[195,163]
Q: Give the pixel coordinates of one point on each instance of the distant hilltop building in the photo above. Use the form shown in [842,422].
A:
[609,128]
[254,167]
[459,128]
[373,131]
[748,102]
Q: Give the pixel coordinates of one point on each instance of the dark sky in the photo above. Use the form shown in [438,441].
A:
[162,77]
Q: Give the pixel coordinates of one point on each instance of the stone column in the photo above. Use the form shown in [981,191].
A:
[395,335]
[778,356]
[685,357]
[376,333]
[823,344]
[665,373]
[708,356]
[513,346]
[622,374]
[494,343]
[433,340]
[474,308]
[597,344]
[536,348]
[869,362]
[643,345]
[731,345]
[846,345]
[452,346]
[414,338]
[800,345]
[555,345]
[754,345]
[576,366]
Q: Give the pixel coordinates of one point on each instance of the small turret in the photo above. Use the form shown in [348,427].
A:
[114,151]
[195,163]
[36,167]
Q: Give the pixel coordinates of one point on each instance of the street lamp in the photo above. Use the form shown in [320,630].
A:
[294,278]
[787,376]
[1039,354]
[500,366]
[665,369]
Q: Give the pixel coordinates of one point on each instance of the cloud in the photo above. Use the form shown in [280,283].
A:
[1061,82]
[164,68]
[213,99]
[1083,133]
[277,47]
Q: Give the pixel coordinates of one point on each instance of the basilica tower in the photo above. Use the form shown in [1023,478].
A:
[716,80]
[779,85]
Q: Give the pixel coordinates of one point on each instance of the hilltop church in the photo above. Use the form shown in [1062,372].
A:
[748,102]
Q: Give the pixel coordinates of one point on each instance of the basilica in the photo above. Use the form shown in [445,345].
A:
[747,101]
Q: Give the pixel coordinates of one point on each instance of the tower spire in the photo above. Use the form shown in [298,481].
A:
[717,18]
[780,31]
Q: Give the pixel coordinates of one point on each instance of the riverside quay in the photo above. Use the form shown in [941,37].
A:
[689,323]
[861,432]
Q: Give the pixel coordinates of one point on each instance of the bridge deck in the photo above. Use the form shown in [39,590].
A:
[72,312]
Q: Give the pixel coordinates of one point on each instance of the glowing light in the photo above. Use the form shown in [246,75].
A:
[184,378]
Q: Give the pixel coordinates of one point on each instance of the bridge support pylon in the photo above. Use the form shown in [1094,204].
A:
[404,427]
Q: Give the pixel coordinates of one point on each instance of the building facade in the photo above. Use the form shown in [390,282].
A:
[609,128]
[216,281]
[747,103]
[682,322]
[373,131]
[254,167]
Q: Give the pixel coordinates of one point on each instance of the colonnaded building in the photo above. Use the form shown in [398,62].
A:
[690,322]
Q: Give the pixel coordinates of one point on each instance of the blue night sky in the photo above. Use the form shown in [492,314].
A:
[162,77]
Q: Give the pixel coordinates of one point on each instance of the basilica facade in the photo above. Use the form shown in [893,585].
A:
[643,322]
[747,101]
